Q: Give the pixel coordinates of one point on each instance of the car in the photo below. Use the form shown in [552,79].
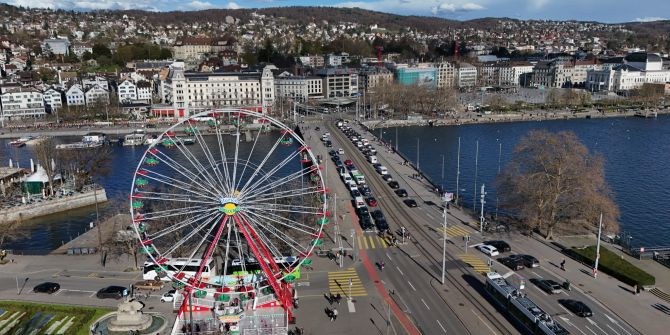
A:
[47,287]
[547,285]
[340,151]
[577,307]
[351,167]
[502,246]
[365,190]
[410,203]
[381,224]
[335,158]
[387,177]
[377,214]
[332,152]
[372,202]
[168,296]
[352,187]
[317,128]
[149,285]
[376,165]
[401,193]
[339,164]
[373,151]
[527,260]
[394,184]
[362,211]
[515,264]
[488,249]
[329,144]
[115,292]
[355,193]
[366,223]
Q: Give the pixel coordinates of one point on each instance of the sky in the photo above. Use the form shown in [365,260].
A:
[610,11]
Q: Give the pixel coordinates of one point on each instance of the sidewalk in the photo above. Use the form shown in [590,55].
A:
[637,310]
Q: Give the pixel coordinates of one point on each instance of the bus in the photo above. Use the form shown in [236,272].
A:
[172,266]
[236,270]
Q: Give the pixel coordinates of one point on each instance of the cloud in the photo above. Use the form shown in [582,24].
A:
[537,4]
[452,8]
[650,19]
[415,6]
[232,5]
[200,4]
[87,5]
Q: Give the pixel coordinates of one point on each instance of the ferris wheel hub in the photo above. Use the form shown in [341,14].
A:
[230,205]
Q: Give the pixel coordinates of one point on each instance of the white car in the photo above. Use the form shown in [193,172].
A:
[340,151]
[488,249]
[168,296]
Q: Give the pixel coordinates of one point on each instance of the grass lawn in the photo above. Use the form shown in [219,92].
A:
[613,265]
[29,316]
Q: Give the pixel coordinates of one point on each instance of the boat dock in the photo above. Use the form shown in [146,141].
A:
[87,243]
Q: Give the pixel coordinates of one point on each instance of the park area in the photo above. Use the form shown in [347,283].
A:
[33,318]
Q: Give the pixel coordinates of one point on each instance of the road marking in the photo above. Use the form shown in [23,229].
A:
[383,242]
[617,323]
[444,330]
[484,322]
[535,273]
[432,218]
[412,286]
[587,327]
[567,321]
[365,241]
[608,326]
[352,307]
[596,325]
[389,256]
[372,243]
[565,309]
[425,304]
[399,270]
[360,244]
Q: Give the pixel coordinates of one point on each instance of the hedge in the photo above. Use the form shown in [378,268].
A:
[613,265]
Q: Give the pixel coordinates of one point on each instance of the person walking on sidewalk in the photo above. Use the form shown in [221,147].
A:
[333,315]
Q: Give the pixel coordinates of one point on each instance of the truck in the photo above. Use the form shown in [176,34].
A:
[358,177]
[372,159]
[382,170]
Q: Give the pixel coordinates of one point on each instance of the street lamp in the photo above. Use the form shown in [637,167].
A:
[444,236]
[481,216]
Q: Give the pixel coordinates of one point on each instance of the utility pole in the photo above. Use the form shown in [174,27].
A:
[418,154]
[458,168]
[481,216]
[396,138]
[444,238]
[600,230]
[474,197]
[499,156]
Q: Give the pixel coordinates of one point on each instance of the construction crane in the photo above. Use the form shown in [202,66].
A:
[379,49]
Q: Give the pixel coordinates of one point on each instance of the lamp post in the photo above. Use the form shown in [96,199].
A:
[418,153]
[600,230]
[458,168]
[444,236]
[474,197]
[499,156]
[442,172]
[481,216]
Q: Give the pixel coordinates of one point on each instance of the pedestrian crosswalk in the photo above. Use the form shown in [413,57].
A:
[339,283]
[454,231]
[475,262]
[372,242]
[657,292]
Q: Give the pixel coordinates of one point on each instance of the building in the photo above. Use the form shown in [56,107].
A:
[20,102]
[144,91]
[298,88]
[57,46]
[339,82]
[315,61]
[632,72]
[95,80]
[333,60]
[446,74]
[488,74]
[96,95]
[514,73]
[188,92]
[424,74]
[74,96]
[561,73]
[127,91]
[466,75]
[192,49]
[53,99]
[373,76]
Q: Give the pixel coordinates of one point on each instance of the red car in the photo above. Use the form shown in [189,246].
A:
[348,162]
[372,202]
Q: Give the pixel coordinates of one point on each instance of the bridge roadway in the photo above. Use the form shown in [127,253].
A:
[425,220]
[413,270]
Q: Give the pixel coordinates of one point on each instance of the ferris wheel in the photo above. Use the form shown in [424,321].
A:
[234,190]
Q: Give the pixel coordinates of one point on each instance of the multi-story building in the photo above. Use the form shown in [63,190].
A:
[561,73]
[53,99]
[514,73]
[466,75]
[424,74]
[74,96]
[373,76]
[95,80]
[635,70]
[488,73]
[298,87]
[57,46]
[446,74]
[190,92]
[96,95]
[192,49]
[127,91]
[315,61]
[20,102]
[339,82]
[144,91]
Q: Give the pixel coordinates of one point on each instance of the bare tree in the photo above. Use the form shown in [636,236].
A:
[46,155]
[553,182]
[86,164]
[497,102]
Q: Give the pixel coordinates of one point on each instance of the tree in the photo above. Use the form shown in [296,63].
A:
[46,155]
[552,182]
[101,50]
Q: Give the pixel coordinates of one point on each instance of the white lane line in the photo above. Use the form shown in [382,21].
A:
[587,327]
[444,330]
[484,322]
[535,273]
[351,306]
[399,270]
[608,326]
[430,216]
[403,302]
[565,309]
[389,256]
[412,286]
[425,304]
[617,323]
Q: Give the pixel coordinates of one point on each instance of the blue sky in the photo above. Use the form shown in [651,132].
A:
[597,10]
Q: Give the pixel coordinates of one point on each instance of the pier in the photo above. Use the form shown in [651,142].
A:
[88,242]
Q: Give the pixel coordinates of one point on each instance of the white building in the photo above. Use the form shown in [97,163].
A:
[340,82]
[20,102]
[144,91]
[97,80]
[74,96]
[514,74]
[297,87]
[637,69]
[127,91]
[96,95]
[53,99]
[58,46]
[466,75]
[446,74]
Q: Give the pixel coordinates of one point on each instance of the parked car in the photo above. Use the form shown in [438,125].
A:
[410,202]
[547,285]
[502,246]
[366,223]
[149,285]
[48,287]
[332,152]
[115,292]
[355,193]
[362,211]
[348,162]
[577,307]
[382,225]
[339,164]
[488,249]
[168,296]
[394,184]
[377,214]
[365,190]
[340,151]
[527,260]
[335,158]
[372,202]
[401,193]
[515,264]
[387,177]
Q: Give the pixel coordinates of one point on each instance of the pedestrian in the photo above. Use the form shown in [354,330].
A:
[333,316]
[338,297]
[563,264]
[331,298]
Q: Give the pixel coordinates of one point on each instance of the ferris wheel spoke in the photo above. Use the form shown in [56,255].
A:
[282,210]
[280,182]
[251,152]
[266,205]
[179,168]
[270,173]
[287,240]
[196,163]
[192,233]
[217,220]
[283,195]
[237,150]
[173,212]
[184,172]
[285,221]
[262,164]
[169,181]
[179,225]
[224,158]
[173,198]
[210,158]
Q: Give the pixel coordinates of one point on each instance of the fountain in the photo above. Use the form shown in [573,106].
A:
[129,318]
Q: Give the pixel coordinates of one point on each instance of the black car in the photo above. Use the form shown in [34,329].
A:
[332,152]
[115,292]
[377,214]
[351,167]
[355,193]
[362,211]
[339,164]
[410,202]
[329,144]
[513,263]
[376,165]
[387,177]
[366,223]
[365,191]
[577,307]
[527,260]
[502,246]
[382,225]
[47,287]
[394,184]
[547,285]
[335,158]
[401,192]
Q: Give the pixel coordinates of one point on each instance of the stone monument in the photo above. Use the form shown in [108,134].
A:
[130,317]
